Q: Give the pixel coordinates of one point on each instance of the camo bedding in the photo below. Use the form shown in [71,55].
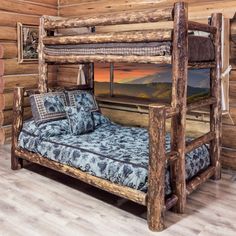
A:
[112,152]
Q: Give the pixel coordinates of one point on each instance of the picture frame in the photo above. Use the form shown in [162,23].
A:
[27,36]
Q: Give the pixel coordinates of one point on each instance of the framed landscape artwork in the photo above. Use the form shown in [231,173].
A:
[27,43]
[148,81]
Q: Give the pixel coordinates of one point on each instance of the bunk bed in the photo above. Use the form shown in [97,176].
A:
[174,47]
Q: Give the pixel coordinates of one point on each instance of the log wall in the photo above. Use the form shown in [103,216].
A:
[11,73]
[198,10]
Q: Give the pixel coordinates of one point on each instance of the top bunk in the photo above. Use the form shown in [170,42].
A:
[155,46]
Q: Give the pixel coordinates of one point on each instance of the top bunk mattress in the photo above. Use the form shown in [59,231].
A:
[201,49]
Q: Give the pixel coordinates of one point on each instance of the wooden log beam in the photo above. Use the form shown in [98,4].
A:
[121,191]
[201,27]
[144,16]
[215,110]
[206,138]
[107,58]
[201,65]
[172,156]
[170,202]
[179,98]
[201,103]
[18,111]
[42,65]
[199,179]
[156,168]
[114,37]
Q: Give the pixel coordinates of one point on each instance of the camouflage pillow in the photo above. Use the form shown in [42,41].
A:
[48,107]
[81,98]
[80,120]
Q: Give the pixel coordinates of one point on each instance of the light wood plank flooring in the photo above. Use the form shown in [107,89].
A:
[38,201]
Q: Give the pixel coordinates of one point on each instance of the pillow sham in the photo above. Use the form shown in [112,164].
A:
[48,107]
[80,120]
[81,98]
[99,119]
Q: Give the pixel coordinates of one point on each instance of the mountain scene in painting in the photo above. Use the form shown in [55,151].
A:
[152,82]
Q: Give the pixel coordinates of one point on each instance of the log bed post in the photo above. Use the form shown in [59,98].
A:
[179,97]
[156,168]
[43,67]
[18,110]
[215,110]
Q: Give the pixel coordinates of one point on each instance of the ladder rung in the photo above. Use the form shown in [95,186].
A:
[199,141]
[201,103]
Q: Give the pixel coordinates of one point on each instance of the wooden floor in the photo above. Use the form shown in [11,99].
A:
[38,201]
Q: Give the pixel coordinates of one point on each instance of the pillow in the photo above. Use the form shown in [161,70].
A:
[48,107]
[99,119]
[80,120]
[81,98]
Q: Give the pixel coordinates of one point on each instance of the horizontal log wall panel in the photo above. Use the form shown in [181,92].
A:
[8,82]
[8,50]
[12,67]
[8,33]
[11,72]
[11,19]
[229,138]
[6,117]
[229,157]
[197,9]
[27,7]
[5,134]
[6,101]
[52,3]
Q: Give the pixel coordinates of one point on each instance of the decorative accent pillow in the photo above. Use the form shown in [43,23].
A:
[48,106]
[99,119]
[80,120]
[81,98]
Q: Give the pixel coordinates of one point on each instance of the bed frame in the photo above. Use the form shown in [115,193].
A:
[154,200]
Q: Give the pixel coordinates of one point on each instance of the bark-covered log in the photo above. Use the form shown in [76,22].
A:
[179,98]
[17,124]
[201,27]
[156,168]
[199,179]
[115,37]
[110,19]
[122,191]
[74,59]
[42,67]
[216,111]
[206,138]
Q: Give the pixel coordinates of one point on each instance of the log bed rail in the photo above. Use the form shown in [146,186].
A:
[155,198]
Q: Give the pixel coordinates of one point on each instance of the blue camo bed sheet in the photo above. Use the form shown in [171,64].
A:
[113,152]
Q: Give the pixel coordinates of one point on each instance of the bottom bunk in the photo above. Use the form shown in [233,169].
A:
[112,152]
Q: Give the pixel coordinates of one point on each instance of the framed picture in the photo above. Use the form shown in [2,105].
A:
[27,43]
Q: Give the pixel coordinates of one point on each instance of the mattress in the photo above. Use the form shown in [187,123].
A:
[112,152]
[200,49]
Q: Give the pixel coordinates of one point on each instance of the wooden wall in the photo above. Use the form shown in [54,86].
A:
[198,10]
[229,128]
[12,73]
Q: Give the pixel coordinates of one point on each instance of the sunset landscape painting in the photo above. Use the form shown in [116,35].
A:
[148,81]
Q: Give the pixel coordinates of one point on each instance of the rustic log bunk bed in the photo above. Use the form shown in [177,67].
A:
[85,49]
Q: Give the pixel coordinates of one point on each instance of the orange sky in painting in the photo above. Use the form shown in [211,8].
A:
[124,72]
